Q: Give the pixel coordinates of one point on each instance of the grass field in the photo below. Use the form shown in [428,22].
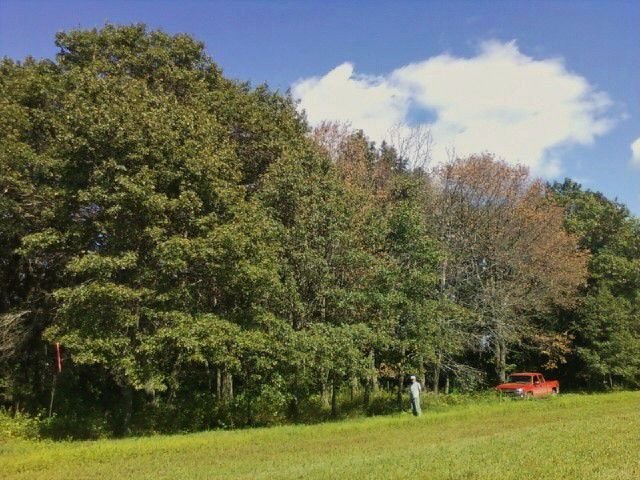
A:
[574,437]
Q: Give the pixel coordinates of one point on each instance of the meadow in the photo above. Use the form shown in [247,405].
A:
[571,436]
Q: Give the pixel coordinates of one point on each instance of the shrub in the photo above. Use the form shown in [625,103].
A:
[18,425]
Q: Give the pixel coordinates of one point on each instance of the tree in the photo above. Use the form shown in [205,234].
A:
[128,208]
[606,325]
[29,199]
[206,259]
[508,255]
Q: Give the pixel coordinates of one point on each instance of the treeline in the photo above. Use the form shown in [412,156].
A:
[205,259]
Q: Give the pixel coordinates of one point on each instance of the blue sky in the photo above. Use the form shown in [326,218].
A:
[554,85]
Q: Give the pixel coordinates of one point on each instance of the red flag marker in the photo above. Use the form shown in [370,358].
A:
[58,357]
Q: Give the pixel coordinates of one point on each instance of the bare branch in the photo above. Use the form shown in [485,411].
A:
[330,136]
[414,144]
[13,332]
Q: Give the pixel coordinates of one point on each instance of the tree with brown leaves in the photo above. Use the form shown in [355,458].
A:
[509,257]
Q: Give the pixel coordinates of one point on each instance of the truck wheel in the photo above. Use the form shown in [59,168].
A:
[554,392]
[529,396]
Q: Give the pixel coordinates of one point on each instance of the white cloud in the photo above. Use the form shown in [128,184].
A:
[500,100]
[370,103]
[635,152]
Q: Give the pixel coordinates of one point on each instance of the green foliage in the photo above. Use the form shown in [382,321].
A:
[205,261]
[606,324]
[20,426]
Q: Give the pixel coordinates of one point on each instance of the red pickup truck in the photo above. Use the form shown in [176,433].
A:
[528,385]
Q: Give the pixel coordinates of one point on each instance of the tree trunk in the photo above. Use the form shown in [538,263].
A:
[53,393]
[374,372]
[400,378]
[127,410]
[501,360]
[443,277]
[436,373]
[366,399]
[446,384]
[425,376]
[324,394]
[209,377]
[294,408]
[400,390]
[294,404]
[421,374]
[249,412]
[371,383]
[227,387]
[334,399]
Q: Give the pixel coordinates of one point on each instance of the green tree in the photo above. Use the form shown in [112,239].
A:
[128,209]
[606,324]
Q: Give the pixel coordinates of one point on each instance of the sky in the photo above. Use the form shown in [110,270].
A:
[554,85]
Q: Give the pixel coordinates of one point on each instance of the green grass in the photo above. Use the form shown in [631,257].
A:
[575,437]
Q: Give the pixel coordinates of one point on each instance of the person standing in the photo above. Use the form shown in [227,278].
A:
[414,396]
